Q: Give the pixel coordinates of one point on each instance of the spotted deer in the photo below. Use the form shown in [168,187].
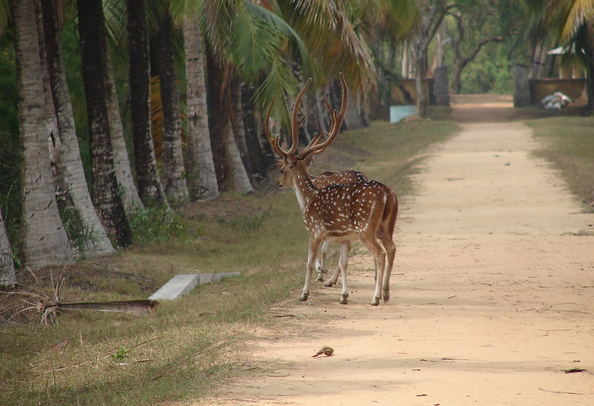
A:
[339,212]
[321,181]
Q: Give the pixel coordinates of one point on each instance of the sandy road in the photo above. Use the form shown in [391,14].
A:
[492,296]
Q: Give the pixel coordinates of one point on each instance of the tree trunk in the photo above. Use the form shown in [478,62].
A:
[239,125]
[121,159]
[163,66]
[312,116]
[69,164]
[217,117]
[150,188]
[323,116]
[44,240]
[260,153]
[419,60]
[7,274]
[106,195]
[590,80]
[201,171]
[236,175]
[456,85]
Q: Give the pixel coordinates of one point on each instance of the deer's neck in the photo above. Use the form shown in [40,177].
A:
[303,186]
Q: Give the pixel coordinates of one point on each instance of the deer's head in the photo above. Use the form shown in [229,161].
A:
[291,163]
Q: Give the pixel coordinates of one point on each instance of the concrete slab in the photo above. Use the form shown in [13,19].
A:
[181,285]
[217,277]
[176,287]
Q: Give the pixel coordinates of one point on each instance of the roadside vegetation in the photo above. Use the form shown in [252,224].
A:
[188,345]
[568,143]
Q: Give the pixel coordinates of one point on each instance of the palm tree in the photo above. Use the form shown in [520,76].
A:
[106,194]
[44,239]
[163,69]
[149,184]
[121,160]
[7,274]
[201,171]
[571,22]
[69,164]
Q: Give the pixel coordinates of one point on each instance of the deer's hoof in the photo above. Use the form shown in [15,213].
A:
[329,283]
[304,297]
[320,277]
[386,296]
[344,298]
[375,301]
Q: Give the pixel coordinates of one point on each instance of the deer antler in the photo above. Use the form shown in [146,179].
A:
[295,124]
[336,118]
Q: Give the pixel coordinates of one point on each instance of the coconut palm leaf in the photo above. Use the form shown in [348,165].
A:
[333,32]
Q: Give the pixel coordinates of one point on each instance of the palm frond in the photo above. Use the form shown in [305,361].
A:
[253,45]
[4,15]
[116,20]
[284,29]
[579,12]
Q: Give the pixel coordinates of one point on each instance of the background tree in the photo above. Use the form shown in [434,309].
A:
[44,240]
[431,14]
[163,71]
[7,273]
[121,160]
[474,26]
[106,194]
[571,23]
[149,184]
[92,237]
[200,164]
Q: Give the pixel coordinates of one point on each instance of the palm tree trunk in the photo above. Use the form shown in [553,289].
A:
[163,66]
[201,171]
[69,164]
[239,125]
[590,79]
[237,176]
[44,240]
[7,274]
[260,154]
[106,195]
[217,118]
[121,160]
[149,184]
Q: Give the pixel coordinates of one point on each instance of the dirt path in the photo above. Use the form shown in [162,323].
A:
[493,294]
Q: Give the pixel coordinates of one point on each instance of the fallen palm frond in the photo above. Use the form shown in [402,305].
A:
[136,307]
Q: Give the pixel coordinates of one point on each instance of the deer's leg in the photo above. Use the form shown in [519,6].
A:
[314,247]
[334,278]
[390,254]
[379,256]
[321,261]
[343,263]
[380,260]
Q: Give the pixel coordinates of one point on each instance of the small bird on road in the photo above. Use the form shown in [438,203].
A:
[327,351]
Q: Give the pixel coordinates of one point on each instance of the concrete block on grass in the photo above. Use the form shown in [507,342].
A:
[181,285]
[176,287]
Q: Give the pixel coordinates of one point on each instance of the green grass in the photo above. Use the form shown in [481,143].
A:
[192,343]
[568,143]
